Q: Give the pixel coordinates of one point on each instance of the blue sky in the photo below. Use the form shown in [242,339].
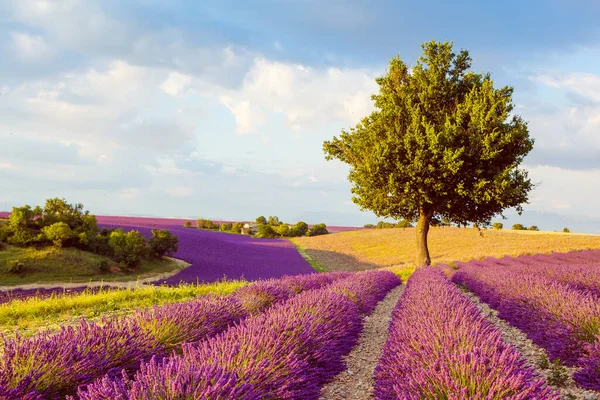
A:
[219,109]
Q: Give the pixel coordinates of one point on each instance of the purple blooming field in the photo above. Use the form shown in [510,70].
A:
[556,315]
[441,347]
[217,255]
[287,352]
[53,365]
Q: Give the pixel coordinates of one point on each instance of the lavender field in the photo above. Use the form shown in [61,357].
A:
[217,255]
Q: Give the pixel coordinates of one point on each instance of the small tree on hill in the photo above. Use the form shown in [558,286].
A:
[566,230]
[273,221]
[498,225]
[266,231]
[237,227]
[299,229]
[261,220]
[441,143]
[317,230]
[187,224]
[163,242]
[58,233]
[533,228]
[128,248]
[518,227]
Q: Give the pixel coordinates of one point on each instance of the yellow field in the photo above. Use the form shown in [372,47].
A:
[378,248]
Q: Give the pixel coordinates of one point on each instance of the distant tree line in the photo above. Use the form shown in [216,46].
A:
[272,227]
[61,224]
[387,225]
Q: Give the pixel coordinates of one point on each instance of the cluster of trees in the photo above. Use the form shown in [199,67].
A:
[520,227]
[61,224]
[387,225]
[265,228]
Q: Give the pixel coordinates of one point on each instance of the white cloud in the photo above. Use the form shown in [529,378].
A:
[176,83]
[30,48]
[248,117]
[180,191]
[306,96]
[585,84]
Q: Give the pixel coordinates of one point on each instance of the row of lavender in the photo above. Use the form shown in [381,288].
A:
[441,347]
[289,352]
[560,313]
[53,365]
[578,269]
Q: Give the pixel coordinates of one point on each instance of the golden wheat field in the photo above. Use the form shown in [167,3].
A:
[381,248]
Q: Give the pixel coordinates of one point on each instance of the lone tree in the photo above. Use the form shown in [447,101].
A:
[442,144]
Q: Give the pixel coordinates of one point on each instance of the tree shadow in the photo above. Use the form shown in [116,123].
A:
[335,261]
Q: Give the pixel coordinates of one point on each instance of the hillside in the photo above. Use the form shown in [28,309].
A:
[376,248]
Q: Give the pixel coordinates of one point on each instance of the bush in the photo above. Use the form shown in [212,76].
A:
[403,224]
[384,225]
[498,225]
[283,230]
[274,221]
[187,224]
[201,223]
[163,243]
[369,226]
[15,267]
[237,227]
[566,230]
[128,248]
[225,227]
[518,227]
[318,229]
[58,233]
[261,220]
[266,231]
[299,229]
[102,266]
[21,237]
[99,244]
[533,228]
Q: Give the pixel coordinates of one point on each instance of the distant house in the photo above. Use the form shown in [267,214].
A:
[249,229]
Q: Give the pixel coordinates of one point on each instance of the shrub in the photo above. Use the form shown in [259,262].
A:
[99,244]
[566,230]
[225,227]
[163,243]
[21,237]
[384,225]
[274,221]
[369,226]
[15,267]
[266,231]
[187,224]
[498,225]
[128,248]
[533,228]
[299,229]
[201,223]
[237,227]
[518,227]
[102,266]
[318,229]
[283,230]
[403,224]
[261,220]
[58,233]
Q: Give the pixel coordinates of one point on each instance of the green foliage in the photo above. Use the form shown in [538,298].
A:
[225,227]
[208,224]
[163,243]
[266,231]
[21,236]
[273,221]
[299,229]
[403,224]
[201,223]
[498,225]
[543,362]
[58,233]
[282,230]
[443,142]
[559,375]
[369,226]
[102,266]
[261,220]
[518,227]
[187,224]
[317,230]
[237,227]
[533,228]
[566,230]
[384,225]
[128,248]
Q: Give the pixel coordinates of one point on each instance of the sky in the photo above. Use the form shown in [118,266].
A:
[219,109]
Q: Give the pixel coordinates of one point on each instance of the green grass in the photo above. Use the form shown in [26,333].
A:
[30,315]
[313,263]
[49,264]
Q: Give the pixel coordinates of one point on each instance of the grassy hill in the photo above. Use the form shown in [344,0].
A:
[50,264]
[377,248]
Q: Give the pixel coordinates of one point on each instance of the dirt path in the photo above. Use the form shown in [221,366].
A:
[126,284]
[356,382]
[530,351]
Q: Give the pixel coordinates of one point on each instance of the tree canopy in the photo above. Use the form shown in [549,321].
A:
[441,144]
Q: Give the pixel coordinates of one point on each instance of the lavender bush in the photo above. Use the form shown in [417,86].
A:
[288,352]
[441,347]
[54,365]
[563,320]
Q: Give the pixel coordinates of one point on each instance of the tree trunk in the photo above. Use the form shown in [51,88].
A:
[422,230]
